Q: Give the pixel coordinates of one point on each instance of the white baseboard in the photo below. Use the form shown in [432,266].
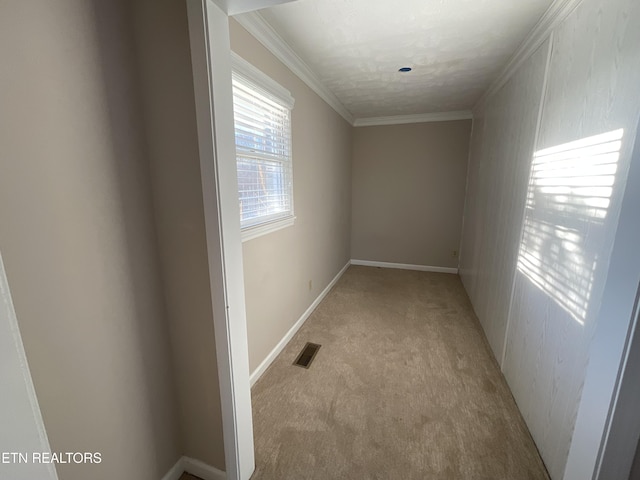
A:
[194,467]
[404,266]
[257,373]
[176,471]
[202,470]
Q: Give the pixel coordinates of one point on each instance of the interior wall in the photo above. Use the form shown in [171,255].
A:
[552,280]
[78,237]
[408,192]
[295,264]
[497,181]
[163,53]
[609,402]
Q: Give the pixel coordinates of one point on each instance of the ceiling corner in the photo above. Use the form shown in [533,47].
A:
[555,14]
[257,26]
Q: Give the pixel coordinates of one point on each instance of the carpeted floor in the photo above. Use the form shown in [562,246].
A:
[404,387]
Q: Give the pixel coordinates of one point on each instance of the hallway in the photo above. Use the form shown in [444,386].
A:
[403,387]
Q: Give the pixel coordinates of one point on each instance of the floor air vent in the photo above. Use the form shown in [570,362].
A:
[307,355]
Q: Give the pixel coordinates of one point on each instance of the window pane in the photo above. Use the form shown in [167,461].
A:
[263,154]
[263,188]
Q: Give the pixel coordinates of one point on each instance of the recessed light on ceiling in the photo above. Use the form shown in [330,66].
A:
[405,69]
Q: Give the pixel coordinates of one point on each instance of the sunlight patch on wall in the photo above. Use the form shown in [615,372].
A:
[567,202]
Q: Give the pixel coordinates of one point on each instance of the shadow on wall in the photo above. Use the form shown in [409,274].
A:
[568,198]
[157,412]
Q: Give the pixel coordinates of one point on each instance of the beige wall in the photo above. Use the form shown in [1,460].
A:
[78,239]
[408,192]
[169,109]
[279,266]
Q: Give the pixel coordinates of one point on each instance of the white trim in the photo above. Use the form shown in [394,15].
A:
[211,64]
[257,26]
[257,373]
[418,118]
[20,407]
[202,470]
[623,404]
[554,16]
[404,266]
[176,471]
[256,231]
[262,80]
[194,467]
[251,80]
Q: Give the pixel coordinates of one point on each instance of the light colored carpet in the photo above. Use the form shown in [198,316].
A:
[404,387]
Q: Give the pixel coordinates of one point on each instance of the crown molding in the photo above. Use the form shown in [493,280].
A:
[418,118]
[257,26]
[557,12]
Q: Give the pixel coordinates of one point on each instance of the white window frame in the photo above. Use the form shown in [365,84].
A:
[244,69]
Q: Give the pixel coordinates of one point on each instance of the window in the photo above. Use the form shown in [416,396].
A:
[262,119]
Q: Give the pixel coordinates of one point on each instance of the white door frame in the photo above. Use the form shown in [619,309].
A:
[211,63]
[22,425]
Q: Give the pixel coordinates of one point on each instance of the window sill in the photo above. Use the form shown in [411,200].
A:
[256,231]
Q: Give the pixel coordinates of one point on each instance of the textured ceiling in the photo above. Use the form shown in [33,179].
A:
[455,47]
